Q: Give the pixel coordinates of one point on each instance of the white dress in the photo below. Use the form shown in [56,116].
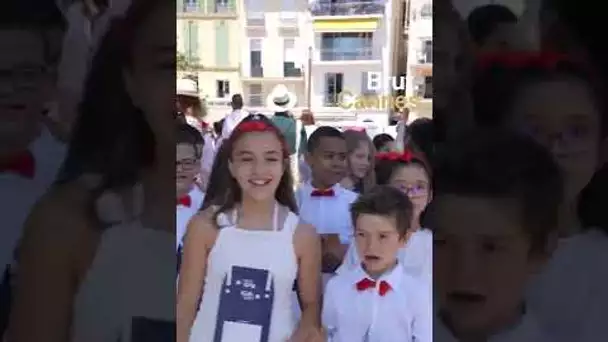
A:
[250,273]
[131,279]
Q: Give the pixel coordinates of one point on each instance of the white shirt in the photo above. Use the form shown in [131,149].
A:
[569,297]
[19,194]
[184,214]
[403,314]
[415,258]
[231,121]
[528,330]
[329,215]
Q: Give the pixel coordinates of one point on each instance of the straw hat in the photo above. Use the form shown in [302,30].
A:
[281,99]
[187,87]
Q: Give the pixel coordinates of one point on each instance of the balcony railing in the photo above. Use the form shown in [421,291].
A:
[292,72]
[331,99]
[257,71]
[256,20]
[425,58]
[353,7]
[209,9]
[343,54]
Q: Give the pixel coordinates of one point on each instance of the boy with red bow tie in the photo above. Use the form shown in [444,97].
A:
[30,156]
[188,166]
[322,201]
[377,301]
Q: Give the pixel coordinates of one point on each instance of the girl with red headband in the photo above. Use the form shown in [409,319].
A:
[247,247]
[410,173]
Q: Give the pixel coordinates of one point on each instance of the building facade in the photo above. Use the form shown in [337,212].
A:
[351,39]
[208,39]
[274,43]
[419,70]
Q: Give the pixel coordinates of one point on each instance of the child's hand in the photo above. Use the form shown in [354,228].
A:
[308,333]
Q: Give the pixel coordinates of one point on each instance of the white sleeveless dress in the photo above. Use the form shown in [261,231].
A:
[268,252]
[131,277]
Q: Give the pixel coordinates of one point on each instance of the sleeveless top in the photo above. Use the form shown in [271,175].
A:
[247,294]
[128,291]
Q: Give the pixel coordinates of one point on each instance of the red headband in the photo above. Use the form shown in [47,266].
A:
[517,60]
[405,156]
[253,126]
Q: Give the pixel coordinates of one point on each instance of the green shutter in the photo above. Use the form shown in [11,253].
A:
[232,5]
[192,48]
[210,6]
[222,44]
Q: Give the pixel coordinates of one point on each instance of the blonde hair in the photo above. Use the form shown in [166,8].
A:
[353,141]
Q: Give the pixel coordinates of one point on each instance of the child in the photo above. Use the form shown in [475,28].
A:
[188,154]
[494,218]
[322,201]
[409,173]
[376,301]
[360,174]
[30,154]
[247,246]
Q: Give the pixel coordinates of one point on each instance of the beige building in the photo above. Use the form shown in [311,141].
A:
[274,44]
[209,38]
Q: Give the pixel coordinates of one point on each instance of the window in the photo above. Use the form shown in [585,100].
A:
[222,44]
[364,89]
[427,50]
[191,5]
[290,58]
[255,58]
[223,6]
[255,12]
[428,87]
[255,95]
[222,89]
[333,87]
[346,46]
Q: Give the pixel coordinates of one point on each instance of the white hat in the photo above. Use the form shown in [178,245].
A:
[186,87]
[281,99]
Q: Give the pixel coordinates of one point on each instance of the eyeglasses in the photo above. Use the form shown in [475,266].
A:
[24,78]
[187,164]
[413,190]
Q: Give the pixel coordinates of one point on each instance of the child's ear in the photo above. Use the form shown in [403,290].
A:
[308,158]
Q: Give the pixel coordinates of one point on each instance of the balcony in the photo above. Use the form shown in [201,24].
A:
[211,8]
[257,21]
[289,71]
[256,71]
[425,57]
[342,54]
[347,8]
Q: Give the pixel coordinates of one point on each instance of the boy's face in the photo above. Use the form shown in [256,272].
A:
[481,262]
[378,242]
[188,166]
[328,161]
[25,85]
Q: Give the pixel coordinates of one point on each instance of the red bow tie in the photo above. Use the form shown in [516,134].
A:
[22,164]
[323,193]
[366,283]
[186,201]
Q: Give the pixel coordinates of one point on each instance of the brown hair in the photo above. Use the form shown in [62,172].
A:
[224,191]
[385,201]
[198,107]
[353,141]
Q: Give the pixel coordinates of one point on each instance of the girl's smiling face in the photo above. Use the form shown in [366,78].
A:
[258,163]
[414,181]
